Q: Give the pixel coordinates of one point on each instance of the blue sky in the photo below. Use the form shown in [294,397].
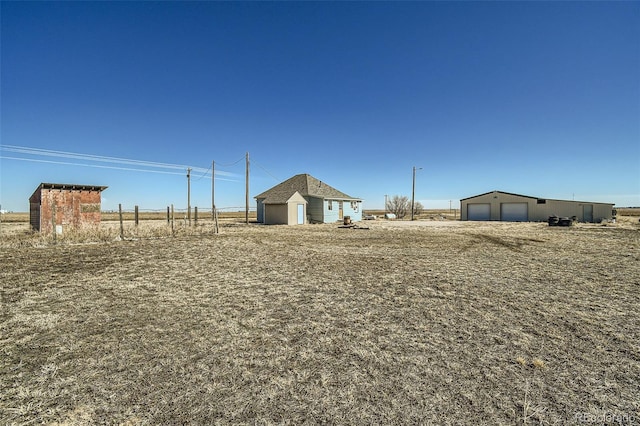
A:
[536,98]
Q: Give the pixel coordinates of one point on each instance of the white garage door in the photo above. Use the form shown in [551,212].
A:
[514,212]
[478,211]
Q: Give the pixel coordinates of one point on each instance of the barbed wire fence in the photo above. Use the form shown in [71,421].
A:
[197,219]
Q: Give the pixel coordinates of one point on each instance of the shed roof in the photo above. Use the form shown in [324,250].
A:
[307,186]
[68,186]
[71,186]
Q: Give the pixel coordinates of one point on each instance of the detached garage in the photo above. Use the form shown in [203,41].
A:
[504,206]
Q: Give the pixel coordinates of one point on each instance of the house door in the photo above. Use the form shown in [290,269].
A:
[300,214]
[587,212]
[340,211]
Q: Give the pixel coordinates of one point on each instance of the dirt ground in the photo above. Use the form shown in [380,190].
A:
[426,322]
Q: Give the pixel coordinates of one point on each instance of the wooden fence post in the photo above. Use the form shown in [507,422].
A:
[121,225]
[135,214]
[195,215]
[172,218]
[168,217]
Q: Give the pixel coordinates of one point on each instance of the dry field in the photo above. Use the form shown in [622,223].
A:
[427,322]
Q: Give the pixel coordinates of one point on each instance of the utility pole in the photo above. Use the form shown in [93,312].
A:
[246,207]
[189,195]
[213,192]
[214,213]
[413,191]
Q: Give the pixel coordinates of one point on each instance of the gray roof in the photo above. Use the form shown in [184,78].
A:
[307,186]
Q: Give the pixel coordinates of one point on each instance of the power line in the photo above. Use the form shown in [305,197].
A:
[207,174]
[232,164]
[142,165]
[266,171]
[91,157]
[114,160]
[90,165]
[65,163]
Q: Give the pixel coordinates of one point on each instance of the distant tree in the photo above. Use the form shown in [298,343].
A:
[399,205]
[418,208]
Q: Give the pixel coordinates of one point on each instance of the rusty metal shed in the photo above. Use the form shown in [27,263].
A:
[71,205]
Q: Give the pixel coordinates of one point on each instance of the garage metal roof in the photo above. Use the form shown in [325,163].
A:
[533,198]
[499,192]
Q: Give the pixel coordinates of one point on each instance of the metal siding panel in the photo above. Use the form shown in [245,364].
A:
[514,212]
[602,211]
[478,211]
[563,208]
[539,212]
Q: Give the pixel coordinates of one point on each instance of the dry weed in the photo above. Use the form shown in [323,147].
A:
[538,363]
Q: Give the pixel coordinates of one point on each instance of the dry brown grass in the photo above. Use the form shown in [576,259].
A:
[635,211]
[402,323]
[23,217]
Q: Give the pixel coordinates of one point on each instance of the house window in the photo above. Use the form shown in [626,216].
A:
[330,205]
[542,201]
[354,206]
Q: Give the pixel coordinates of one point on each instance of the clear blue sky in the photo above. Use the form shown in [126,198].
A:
[536,98]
